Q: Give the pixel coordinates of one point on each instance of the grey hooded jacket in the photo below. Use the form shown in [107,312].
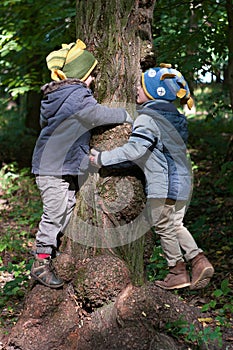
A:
[157,146]
[68,114]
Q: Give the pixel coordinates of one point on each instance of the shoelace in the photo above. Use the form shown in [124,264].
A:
[50,265]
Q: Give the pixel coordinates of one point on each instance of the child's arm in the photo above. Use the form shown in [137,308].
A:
[98,115]
[144,136]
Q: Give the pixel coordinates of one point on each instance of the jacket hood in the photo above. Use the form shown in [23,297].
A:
[56,93]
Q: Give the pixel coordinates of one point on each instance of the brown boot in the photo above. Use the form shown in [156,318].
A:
[178,277]
[202,271]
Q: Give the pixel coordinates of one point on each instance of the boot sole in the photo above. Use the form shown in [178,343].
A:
[178,286]
[46,284]
[203,279]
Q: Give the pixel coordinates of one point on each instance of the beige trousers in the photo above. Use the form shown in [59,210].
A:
[176,241]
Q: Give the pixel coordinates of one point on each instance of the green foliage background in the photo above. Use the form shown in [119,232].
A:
[191,35]
[29,31]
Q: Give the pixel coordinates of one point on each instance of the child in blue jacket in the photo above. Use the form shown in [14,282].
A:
[161,130]
[68,114]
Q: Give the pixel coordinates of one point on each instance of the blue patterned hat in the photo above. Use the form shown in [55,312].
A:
[166,83]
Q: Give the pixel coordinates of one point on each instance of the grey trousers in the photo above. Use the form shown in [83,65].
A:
[59,198]
[176,241]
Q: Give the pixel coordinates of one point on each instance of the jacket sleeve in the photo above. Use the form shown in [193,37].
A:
[98,115]
[145,135]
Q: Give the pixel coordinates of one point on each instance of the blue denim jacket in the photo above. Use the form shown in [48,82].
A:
[68,114]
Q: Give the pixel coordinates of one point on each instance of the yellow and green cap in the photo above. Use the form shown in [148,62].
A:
[71,61]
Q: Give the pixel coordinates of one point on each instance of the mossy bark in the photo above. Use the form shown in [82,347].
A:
[119,35]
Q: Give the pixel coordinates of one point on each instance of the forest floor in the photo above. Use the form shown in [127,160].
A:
[209,218]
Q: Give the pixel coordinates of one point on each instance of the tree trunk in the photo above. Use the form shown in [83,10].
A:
[119,36]
[33,111]
[136,319]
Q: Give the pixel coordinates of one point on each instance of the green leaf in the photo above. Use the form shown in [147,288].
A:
[217,293]
[2,246]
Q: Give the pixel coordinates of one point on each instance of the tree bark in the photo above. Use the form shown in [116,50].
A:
[100,310]
[119,35]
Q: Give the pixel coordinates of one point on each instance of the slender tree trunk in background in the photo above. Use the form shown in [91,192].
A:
[119,35]
[193,25]
[33,111]
[229,9]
